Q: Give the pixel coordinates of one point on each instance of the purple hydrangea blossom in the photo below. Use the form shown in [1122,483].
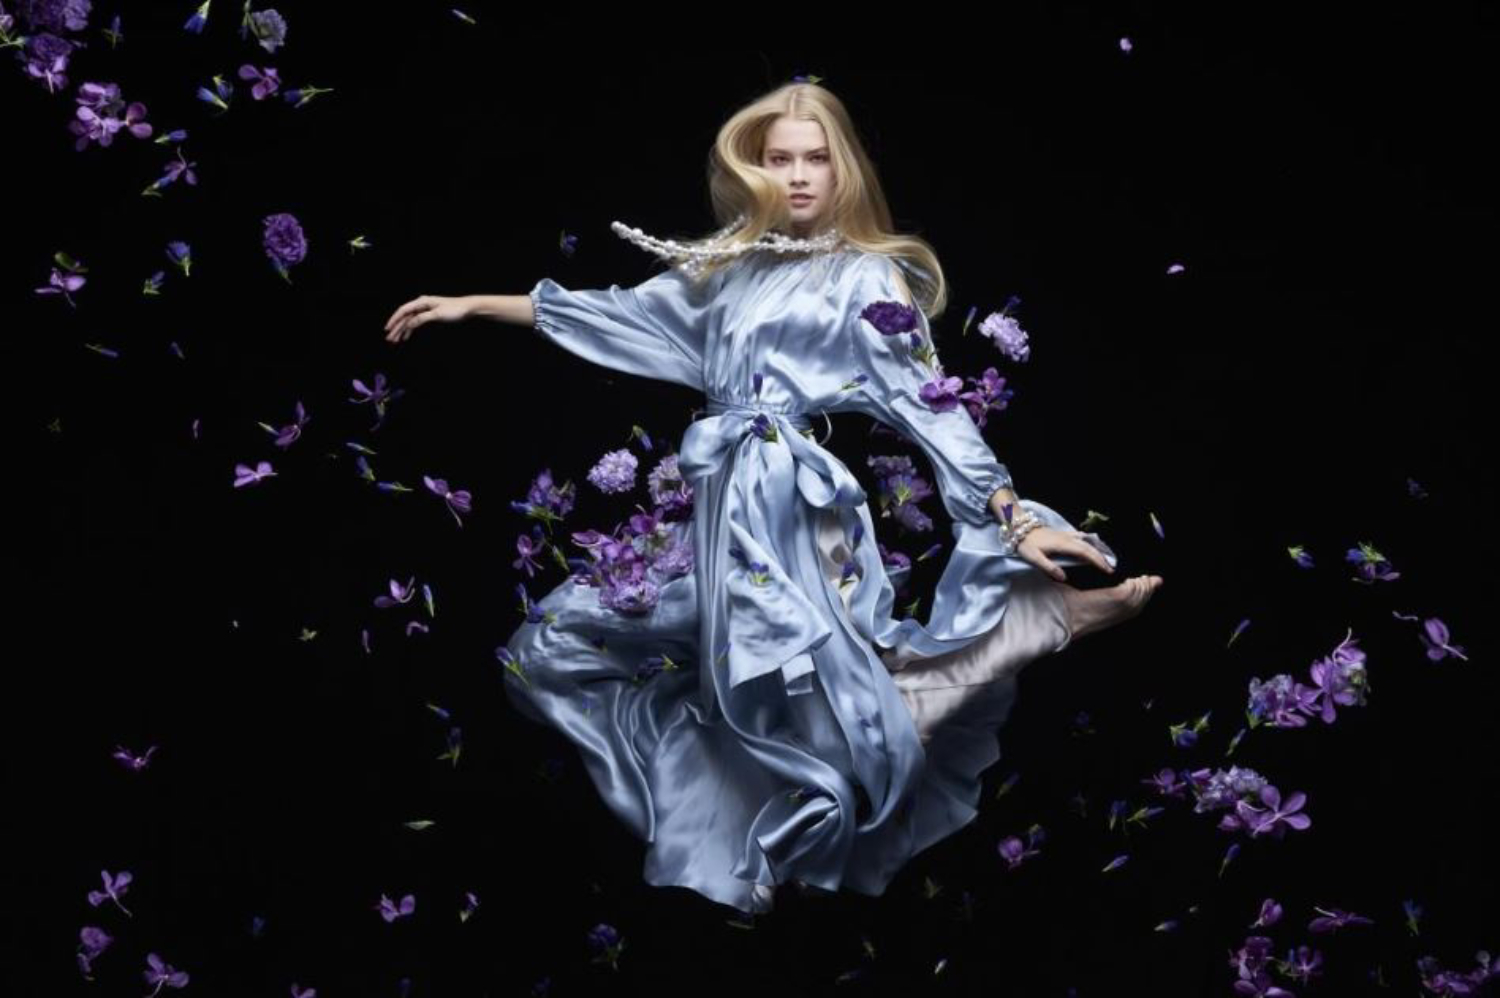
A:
[1007,335]
[614,472]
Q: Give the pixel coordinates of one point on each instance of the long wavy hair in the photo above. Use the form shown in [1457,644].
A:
[739,185]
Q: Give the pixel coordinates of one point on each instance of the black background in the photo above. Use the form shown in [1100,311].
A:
[1326,186]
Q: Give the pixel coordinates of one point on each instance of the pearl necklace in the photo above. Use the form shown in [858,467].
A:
[693,258]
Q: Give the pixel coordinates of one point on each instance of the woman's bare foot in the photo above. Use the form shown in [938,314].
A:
[1091,610]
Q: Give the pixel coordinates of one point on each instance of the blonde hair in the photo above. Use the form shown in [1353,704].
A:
[739,185]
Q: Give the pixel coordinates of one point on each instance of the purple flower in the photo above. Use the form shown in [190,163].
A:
[399,593]
[131,761]
[246,475]
[989,395]
[92,941]
[60,284]
[54,15]
[457,502]
[1007,335]
[390,911]
[891,318]
[99,116]
[1300,556]
[194,25]
[46,58]
[614,472]
[162,974]
[1435,637]
[1371,564]
[268,26]
[941,393]
[668,489]
[1270,914]
[1274,819]
[605,941]
[267,81]
[1336,919]
[283,241]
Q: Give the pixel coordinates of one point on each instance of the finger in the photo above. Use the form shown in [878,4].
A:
[396,316]
[415,305]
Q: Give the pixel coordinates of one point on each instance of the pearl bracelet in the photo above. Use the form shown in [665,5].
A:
[1020,525]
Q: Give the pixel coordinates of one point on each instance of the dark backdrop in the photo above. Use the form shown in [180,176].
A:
[1314,376]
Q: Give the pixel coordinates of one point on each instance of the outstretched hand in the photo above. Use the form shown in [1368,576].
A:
[1043,541]
[428,308]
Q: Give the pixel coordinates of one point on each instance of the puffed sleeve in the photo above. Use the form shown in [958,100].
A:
[966,470]
[656,329]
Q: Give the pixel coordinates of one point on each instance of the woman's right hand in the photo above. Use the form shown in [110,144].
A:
[419,311]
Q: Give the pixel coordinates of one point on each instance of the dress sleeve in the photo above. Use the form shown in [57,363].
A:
[966,470]
[656,329]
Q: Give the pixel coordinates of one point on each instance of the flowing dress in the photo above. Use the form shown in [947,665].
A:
[807,732]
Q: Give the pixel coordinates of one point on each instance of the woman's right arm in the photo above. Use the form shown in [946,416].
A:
[515,309]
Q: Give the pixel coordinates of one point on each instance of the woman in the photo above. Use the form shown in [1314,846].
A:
[823,741]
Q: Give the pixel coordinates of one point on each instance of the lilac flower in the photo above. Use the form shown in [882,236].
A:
[59,284]
[567,243]
[1015,852]
[1303,964]
[605,940]
[669,489]
[764,426]
[1281,702]
[1300,556]
[512,664]
[896,560]
[1274,819]
[1176,268]
[1126,45]
[92,941]
[1413,915]
[162,974]
[289,434]
[1341,677]
[988,395]
[114,886]
[268,26]
[455,744]
[1269,915]
[399,593]
[379,396]
[153,283]
[99,116]
[1007,335]
[528,550]
[1167,783]
[1336,919]
[531,610]
[472,903]
[941,393]
[300,992]
[390,911]
[759,571]
[179,167]
[615,472]
[131,761]
[1435,637]
[181,254]
[284,242]
[756,382]
[267,81]
[219,96]
[457,502]
[545,500]
[1415,490]
[1229,855]
[46,57]
[55,15]
[246,475]
[195,23]
[1371,564]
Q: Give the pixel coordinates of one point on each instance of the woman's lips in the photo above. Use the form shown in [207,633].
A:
[801,199]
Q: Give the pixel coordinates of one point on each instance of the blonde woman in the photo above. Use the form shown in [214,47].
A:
[811,735]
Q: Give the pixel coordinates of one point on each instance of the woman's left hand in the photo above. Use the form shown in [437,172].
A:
[1044,541]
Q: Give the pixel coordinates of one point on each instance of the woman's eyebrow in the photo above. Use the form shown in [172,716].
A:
[819,149]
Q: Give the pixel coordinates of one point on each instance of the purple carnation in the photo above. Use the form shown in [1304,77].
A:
[283,240]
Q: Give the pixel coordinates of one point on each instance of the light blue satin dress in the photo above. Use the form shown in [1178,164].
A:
[809,733]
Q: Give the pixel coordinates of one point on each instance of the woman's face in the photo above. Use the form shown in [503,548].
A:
[796,154]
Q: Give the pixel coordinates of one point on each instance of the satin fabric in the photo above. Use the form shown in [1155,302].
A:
[808,733]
